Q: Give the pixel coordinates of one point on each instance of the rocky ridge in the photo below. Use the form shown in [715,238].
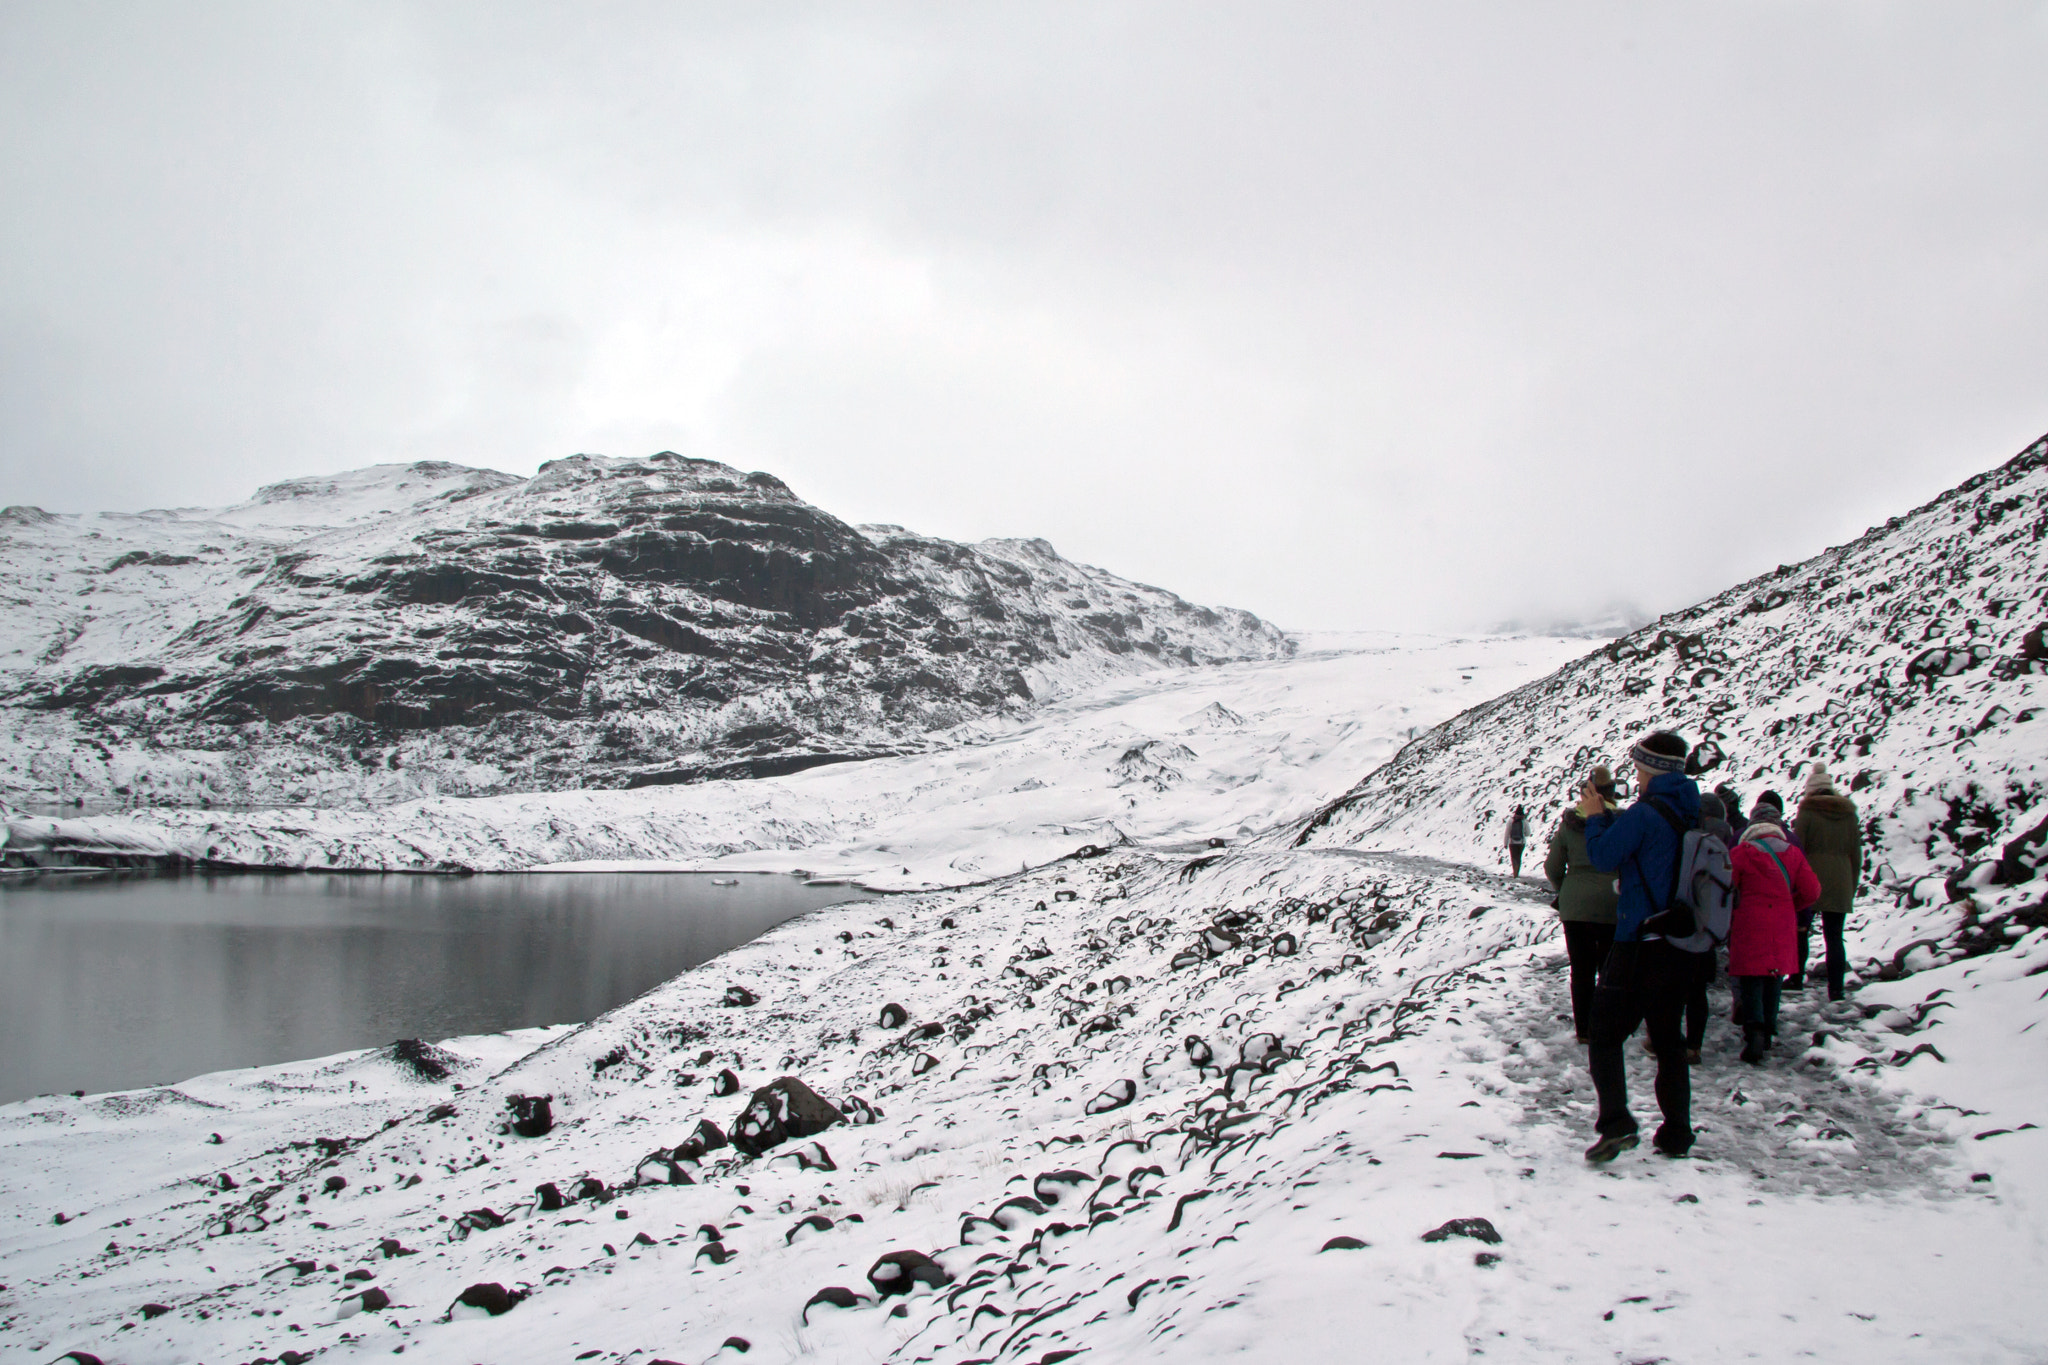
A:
[416,629]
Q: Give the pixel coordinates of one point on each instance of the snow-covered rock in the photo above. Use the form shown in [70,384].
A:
[429,628]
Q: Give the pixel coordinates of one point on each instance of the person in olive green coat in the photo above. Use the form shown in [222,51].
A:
[1585,902]
[1831,836]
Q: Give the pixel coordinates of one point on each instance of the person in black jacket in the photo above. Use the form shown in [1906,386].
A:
[1518,838]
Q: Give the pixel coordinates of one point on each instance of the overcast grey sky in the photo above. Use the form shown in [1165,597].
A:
[1423,314]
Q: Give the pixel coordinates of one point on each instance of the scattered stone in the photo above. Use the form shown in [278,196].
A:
[832,1296]
[715,1252]
[816,1222]
[897,1271]
[1483,1259]
[1479,1229]
[661,1168]
[1286,945]
[740,1344]
[438,1113]
[1055,1186]
[1016,1211]
[154,1310]
[490,1296]
[704,1139]
[334,1184]
[590,1187]
[894,1016]
[374,1300]
[549,1197]
[1344,1243]
[360,1274]
[423,1060]
[726,1084]
[812,1156]
[858,1110]
[785,1108]
[925,1062]
[1115,1097]
[739,997]
[532,1115]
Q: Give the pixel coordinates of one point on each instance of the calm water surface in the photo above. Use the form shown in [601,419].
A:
[115,983]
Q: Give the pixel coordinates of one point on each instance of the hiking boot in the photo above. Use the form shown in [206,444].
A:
[1794,983]
[1665,1146]
[1753,1045]
[1608,1148]
[1692,1056]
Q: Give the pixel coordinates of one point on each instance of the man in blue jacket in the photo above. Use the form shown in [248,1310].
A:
[1645,979]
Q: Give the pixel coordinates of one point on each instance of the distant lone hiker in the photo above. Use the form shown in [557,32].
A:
[1585,902]
[1518,835]
[1644,980]
[1828,830]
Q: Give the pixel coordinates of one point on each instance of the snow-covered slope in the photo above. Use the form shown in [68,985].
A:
[1913,661]
[1268,1107]
[428,628]
[1165,757]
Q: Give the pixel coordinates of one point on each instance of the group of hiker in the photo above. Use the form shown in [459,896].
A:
[1652,894]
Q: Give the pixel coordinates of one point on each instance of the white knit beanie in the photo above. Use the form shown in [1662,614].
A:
[1818,783]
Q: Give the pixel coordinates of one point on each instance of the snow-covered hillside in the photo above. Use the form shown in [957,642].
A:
[1268,1107]
[1913,661]
[1289,1100]
[1166,757]
[428,628]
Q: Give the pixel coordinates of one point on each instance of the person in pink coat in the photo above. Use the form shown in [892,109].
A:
[1773,883]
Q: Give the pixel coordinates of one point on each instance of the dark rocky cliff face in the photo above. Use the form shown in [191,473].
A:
[607,622]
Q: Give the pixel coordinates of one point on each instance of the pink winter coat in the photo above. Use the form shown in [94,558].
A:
[1763,935]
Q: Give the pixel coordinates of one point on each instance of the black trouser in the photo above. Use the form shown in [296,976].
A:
[1515,860]
[1838,955]
[1656,997]
[1586,945]
[1756,1002]
[1696,1001]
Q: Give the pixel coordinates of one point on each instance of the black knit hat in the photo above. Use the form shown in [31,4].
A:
[1771,798]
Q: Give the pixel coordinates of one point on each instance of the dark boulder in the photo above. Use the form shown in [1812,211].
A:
[1115,1097]
[1344,1244]
[532,1115]
[154,1310]
[374,1300]
[785,1108]
[899,1271]
[703,1139]
[490,1296]
[894,1016]
[832,1296]
[726,1083]
[548,1197]
[1479,1229]
[739,997]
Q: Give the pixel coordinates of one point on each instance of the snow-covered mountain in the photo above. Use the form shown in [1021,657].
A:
[429,628]
[1913,661]
[1281,1101]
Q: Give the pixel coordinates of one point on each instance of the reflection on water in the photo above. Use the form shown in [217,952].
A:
[115,983]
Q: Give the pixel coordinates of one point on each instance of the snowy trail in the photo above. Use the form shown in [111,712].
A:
[1376,1055]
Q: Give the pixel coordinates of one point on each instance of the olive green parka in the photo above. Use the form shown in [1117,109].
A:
[1584,892]
[1831,836]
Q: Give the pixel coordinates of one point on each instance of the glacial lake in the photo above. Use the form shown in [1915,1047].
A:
[111,983]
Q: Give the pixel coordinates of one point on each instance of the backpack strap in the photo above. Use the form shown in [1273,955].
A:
[1678,828]
[1781,867]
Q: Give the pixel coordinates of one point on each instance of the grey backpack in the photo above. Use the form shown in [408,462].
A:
[1701,902]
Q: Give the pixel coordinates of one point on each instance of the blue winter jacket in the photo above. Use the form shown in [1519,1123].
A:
[1641,845]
